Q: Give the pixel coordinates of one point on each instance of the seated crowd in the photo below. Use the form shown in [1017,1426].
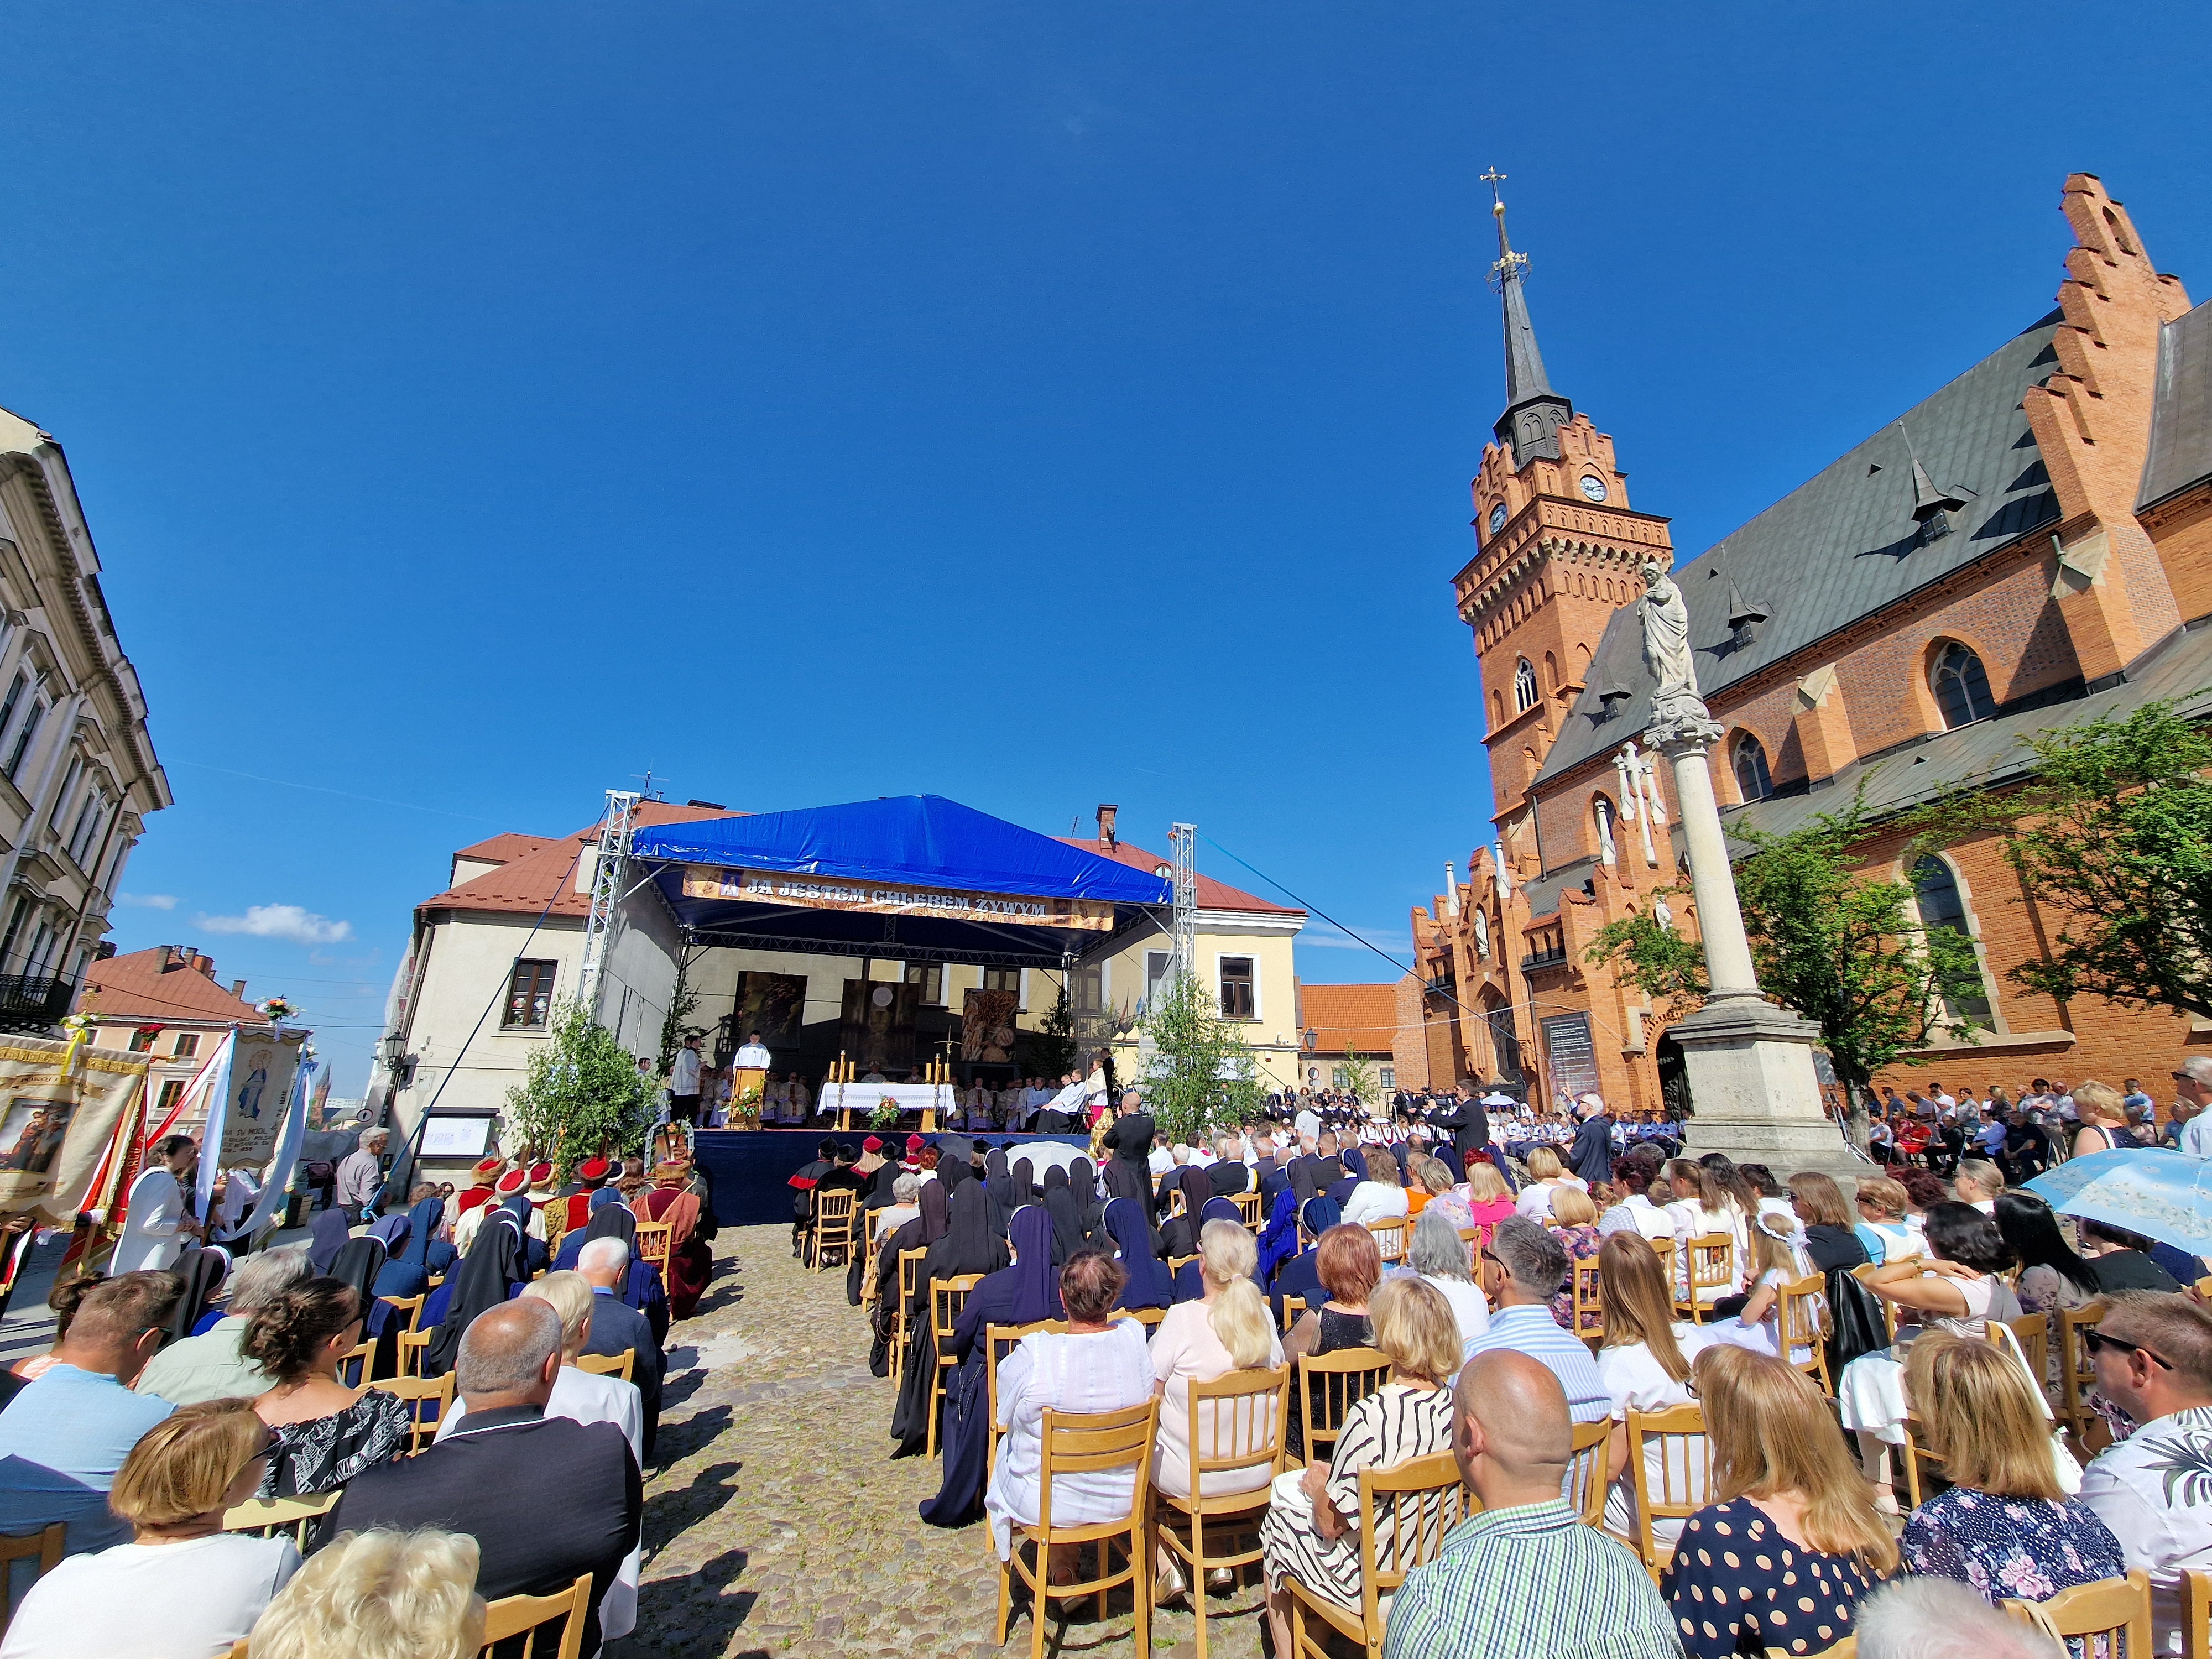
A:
[1687,1445]
[483,1435]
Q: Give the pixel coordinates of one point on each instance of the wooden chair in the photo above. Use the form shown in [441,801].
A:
[1919,1459]
[1712,1268]
[1391,1238]
[1684,1474]
[1800,1313]
[1417,1504]
[1003,1340]
[1092,1443]
[1175,1263]
[2196,1613]
[353,1369]
[515,1615]
[1329,1386]
[45,1545]
[1888,1308]
[1292,1307]
[411,1306]
[1586,1477]
[428,1399]
[910,1275]
[1178,1204]
[877,1234]
[836,1228]
[264,1517]
[2033,1332]
[2114,1611]
[411,1346]
[946,1299]
[1243,1414]
[1664,1249]
[2076,1376]
[1150,1318]
[622,1364]
[1247,1209]
[1590,1316]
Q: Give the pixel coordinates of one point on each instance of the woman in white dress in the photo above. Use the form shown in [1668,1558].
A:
[1645,1363]
[1093,1367]
[1703,1207]
[1777,1258]
[1378,1197]
[1545,1172]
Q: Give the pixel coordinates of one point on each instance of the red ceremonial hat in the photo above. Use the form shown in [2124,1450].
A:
[540,1173]
[872,1144]
[592,1169]
[913,1144]
[486,1168]
[511,1183]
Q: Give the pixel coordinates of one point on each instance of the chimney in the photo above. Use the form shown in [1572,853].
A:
[1106,838]
[205,964]
[238,989]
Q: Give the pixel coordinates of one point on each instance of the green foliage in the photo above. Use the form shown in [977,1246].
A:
[1846,951]
[1199,1074]
[1359,1076]
[1052,1049]
[2114,835]
[673,1030]
[584,1095]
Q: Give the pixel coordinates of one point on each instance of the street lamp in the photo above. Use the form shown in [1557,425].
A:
[1313,1038]
[395,1054]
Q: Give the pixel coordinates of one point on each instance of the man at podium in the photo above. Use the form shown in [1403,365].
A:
[748,1072]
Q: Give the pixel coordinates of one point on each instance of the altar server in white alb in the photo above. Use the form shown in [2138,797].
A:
[156,1227]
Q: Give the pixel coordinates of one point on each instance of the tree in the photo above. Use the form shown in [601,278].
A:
[1359,1075]
[1847,952]
[2114,833]
[1200,1074]
[681,1002]
[1052,1049]
[584,1095]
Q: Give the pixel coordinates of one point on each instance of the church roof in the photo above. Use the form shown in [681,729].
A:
[1844,543]
[2181,413]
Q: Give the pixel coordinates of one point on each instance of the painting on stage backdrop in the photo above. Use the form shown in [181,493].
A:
[877,1034]
[261,1075]
[771,1004]
[55,1126]
[987,1026]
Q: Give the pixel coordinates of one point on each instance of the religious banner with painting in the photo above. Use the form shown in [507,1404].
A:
[56,1123]
[987,1026]
[1568,1057]
[878,1033]
[261,1075]
[781,887]
[771,1004]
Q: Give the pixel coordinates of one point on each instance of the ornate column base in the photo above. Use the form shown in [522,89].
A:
[1754,1092]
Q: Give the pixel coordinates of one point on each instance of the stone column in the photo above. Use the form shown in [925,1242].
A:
[1753,1087]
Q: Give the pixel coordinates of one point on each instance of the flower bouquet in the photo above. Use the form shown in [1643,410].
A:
[276,1010]
[885,1114]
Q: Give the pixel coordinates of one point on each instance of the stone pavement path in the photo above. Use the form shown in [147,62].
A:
[778,1523]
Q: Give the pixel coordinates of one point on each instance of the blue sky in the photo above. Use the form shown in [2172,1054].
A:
[1036,404]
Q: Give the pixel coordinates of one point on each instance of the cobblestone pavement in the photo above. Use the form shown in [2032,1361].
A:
[778,1523]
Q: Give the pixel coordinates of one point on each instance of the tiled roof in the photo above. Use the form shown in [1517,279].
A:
[1346,1018]
[140,985]
[1212,894]
[1843,543]
[2181,414]
[503,848]
[528,879]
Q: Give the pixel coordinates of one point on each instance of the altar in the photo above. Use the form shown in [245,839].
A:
[847,1098]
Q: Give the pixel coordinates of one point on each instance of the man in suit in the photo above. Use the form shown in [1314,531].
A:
[1229,1172]
[1469,1124]
[545,1498]
[1591,1156]
[617,1328]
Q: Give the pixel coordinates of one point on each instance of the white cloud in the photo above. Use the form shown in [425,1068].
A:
[288,921]
[150,900]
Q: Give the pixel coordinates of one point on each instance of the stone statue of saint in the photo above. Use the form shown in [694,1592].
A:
[1663,913]
[1674,700]
[1482,933]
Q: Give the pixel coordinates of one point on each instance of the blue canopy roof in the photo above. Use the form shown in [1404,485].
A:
[920,841]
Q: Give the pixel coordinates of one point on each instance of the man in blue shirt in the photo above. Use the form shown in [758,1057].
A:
[63,1438]
[1521,1270]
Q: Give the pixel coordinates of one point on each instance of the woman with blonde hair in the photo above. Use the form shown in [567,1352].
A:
[1777,1258]
[1313,1512]
[2104,1119]
[379,1595]
[1546,1176]
[1574,1224]
[1643,1360]
[183,1587]
[1377,1197]
[1703,1205]
[1230,1330]
[2005,1526]
[1793,1540]
[1488,1202]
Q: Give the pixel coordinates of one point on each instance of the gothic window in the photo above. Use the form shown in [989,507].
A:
[1935,889]
[1961,687]
[1524,687]
[1550,671]
[1752,780]
[1496,708]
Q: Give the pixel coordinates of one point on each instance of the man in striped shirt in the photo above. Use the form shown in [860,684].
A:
[1521,1270]
[1524,1578]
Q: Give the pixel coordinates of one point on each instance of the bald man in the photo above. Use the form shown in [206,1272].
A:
[545,1498]
[1524,1576]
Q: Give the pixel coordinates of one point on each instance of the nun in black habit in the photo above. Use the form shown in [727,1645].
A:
[1126,1172]
[1022,1294]
[966,1248]
[918,1234]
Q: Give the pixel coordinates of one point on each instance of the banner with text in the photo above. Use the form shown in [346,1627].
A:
[56,1119]
[890,899]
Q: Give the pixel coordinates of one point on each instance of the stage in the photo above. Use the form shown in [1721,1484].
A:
[751,1169]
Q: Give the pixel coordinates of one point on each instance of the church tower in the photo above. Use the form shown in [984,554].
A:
[1557,551]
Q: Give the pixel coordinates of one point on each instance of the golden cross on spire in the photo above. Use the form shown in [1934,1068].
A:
[1508,260]
[1493,179]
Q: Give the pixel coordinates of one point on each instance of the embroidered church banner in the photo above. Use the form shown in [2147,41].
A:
[55,1125]
[780,887]
[261,1075]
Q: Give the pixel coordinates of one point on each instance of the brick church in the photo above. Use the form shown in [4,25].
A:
[2028,547]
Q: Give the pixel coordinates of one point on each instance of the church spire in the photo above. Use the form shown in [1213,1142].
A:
[1534,412]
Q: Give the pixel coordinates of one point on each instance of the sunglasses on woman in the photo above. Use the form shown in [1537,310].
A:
[2098,1342]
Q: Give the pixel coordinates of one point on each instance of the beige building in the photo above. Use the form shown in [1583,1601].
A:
[77,770]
